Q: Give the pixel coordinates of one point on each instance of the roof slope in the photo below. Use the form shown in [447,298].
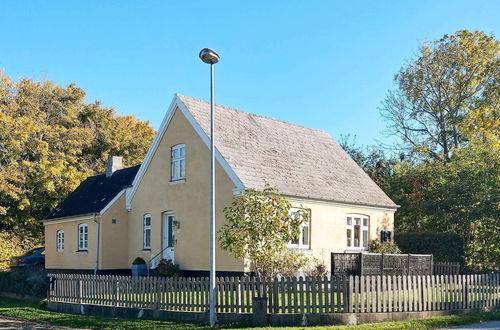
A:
[301,161]
[94,193]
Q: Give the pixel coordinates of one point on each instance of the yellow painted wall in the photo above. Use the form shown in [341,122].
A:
[114,237]
[189,200]
[69,258]
[328,226]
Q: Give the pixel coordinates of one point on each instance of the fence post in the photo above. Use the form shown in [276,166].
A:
[382,265]
[361,264]
[80,298]
[408,264]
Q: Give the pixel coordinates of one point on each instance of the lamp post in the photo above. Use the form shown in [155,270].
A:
[209,56]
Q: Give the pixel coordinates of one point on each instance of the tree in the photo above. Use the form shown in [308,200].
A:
[260,225]
[50,140]
[460,196]
[435,91]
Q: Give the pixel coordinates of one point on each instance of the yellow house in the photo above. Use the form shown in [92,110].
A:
[160,209]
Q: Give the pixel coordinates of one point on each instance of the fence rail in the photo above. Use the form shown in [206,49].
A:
[358,294]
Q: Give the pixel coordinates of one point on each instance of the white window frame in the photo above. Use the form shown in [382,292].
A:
[146,230]
[178,162]
[305,227]
[364,231]
[60,240]
[83,237]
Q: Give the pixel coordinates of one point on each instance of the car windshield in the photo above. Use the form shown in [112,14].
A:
[32,252]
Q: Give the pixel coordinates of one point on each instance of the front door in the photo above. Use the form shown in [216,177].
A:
[168,236]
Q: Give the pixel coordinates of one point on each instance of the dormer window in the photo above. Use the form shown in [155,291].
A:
[178,162]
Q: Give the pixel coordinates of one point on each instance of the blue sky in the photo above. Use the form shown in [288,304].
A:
[323,64]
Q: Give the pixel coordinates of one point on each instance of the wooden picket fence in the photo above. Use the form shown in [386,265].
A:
[332,294]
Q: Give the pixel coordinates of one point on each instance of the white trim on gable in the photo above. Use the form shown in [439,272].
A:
[174,105]
[111,202]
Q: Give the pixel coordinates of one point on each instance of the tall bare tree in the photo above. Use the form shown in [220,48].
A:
[434,92]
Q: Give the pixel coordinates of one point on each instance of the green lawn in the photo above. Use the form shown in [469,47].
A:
[38,313]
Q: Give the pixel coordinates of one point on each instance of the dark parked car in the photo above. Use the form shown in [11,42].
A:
[34,258]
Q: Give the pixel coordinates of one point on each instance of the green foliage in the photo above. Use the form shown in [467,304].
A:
[460,196]
[443,246]
[12,246]
[436,90]
[259,229]
[29,281]
[166,268]
[50,140]
[389,247]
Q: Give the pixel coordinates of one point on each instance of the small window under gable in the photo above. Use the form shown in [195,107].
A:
[178,162]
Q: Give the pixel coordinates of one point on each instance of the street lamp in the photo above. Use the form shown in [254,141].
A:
[209,56]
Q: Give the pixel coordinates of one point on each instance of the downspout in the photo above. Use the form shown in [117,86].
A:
[98,243]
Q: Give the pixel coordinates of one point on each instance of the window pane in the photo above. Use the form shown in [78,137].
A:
[305,235]
[365,238]
[182,168]
[183,151]
[295,241]
[356,236]
[147,238]
[357,221]
[365,222]
[349,221]
[175,153]
[349,235]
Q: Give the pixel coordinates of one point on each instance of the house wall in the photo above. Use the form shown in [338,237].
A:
[69,258]
[328,226]
[114,237]
[189,201]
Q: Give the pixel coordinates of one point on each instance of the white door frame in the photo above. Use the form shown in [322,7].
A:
[168,236]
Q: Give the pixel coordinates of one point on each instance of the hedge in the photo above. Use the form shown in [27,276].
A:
[29,281]
[444,246]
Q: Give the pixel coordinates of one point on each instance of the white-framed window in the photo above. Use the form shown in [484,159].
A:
[303,240]
[60,240]
[83,237]
[357,231]
[178,162]
[146,232]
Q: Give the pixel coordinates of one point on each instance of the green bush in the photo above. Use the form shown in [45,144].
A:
[389,247]
[167,268]
[29,281]
[444,246]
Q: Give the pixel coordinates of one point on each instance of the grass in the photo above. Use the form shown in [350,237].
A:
[36,312]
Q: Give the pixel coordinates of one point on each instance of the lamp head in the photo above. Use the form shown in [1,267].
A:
[209,56]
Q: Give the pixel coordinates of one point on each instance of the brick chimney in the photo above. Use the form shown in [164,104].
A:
[114,163]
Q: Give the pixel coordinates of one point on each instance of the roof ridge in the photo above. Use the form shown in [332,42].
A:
[254,114]
[121,169]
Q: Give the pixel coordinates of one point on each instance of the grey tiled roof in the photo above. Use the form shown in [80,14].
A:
[301,161]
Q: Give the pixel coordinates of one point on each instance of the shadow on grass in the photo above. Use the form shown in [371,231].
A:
[37,312]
